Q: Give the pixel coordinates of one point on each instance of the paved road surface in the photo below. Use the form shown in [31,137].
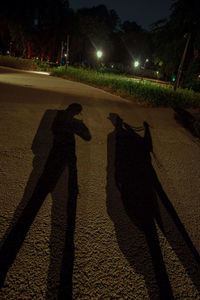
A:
[129,229]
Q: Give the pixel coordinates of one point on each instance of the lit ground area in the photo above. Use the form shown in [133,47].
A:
[113,224]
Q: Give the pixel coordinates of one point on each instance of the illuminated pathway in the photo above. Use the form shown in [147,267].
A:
[112,257]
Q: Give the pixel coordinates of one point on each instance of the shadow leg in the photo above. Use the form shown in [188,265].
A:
[162,279]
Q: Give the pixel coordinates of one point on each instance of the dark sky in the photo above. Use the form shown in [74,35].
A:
[143,12]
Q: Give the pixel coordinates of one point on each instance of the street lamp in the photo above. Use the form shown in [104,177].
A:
[99,53]
[136,63]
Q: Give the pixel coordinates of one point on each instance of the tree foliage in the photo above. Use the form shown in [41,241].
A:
[40,23]
[44,25]
[93,28]
[170,37]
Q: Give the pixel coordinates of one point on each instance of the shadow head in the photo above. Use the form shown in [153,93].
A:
[74,109]
[115,120]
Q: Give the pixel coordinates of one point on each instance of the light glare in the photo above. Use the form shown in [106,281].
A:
[99,54]
[136,63]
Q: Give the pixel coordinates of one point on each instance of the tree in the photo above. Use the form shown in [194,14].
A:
[136,42]
[169,36]
[93,28]
[42,24]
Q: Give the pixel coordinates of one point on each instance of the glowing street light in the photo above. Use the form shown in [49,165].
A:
[99,53]
[136,63]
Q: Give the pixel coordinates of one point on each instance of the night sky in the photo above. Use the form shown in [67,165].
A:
[143,12]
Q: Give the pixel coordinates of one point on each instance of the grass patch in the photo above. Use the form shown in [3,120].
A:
[26,64]
[149,92]
[18,63]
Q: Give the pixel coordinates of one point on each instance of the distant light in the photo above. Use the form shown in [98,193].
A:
[136,64]
[147,60]
[112,66]
[173,78]
[157,72]
[99,54]
[65,54]
[8,52]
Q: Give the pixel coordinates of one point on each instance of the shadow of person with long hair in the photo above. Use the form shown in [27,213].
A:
[134,200]
[55,174]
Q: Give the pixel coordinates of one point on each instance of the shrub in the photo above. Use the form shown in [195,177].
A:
[153,93]
[26,64]
[18,62]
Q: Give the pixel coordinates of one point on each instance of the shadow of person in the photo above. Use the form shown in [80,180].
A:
[55,172]
[136,202]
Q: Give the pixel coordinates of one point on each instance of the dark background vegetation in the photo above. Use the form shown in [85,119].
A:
[39,29]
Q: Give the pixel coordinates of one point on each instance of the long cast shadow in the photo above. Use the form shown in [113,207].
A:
[55,172]
[136,202]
